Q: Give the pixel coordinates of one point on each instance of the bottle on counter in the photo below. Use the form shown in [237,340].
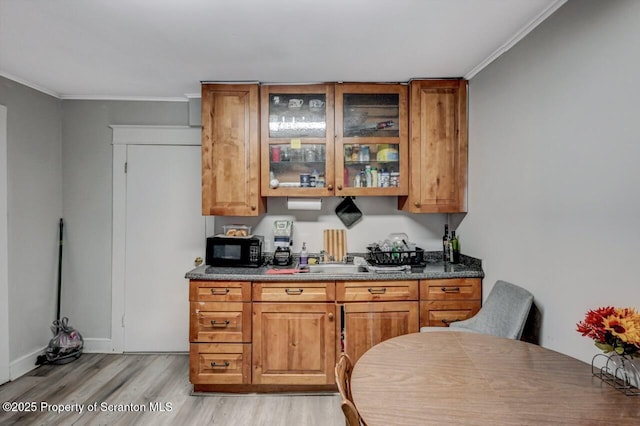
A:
[445,244]
[455,248]
[304,255]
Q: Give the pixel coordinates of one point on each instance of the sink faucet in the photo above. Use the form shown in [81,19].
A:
[323,254]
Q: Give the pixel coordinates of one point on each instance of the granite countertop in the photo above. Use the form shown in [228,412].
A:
[435,269]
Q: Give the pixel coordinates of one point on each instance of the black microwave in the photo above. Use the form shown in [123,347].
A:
[234,251]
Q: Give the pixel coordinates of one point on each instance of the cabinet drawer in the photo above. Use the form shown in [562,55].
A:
[451,289]
[365,291]
[294,292]
[220,363]
[220,291]
[441,313]
[220,322]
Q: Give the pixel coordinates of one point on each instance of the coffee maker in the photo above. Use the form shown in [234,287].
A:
[282,232]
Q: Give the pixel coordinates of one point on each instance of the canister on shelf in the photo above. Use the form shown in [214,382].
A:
[394,179]
[305,180]
[383,179]
[275,154]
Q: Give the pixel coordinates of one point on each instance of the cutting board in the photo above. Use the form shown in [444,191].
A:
[335,243]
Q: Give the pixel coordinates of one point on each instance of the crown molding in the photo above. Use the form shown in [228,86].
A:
[516,38]
[29,84]
[91,97]
[122,98]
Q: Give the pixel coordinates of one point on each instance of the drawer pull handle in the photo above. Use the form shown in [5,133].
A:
[214,365]
[447,322]
[382,290]
[219,292]
[451,289]
[219,324]
[294,291]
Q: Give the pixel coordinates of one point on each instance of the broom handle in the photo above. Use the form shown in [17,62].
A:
[59,271]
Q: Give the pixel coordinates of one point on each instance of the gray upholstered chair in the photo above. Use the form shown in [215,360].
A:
[503,314]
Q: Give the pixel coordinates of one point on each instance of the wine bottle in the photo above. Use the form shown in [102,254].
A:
[445,244]
[454,252]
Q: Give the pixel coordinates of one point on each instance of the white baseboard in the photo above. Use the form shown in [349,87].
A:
[26,363]
[98,346]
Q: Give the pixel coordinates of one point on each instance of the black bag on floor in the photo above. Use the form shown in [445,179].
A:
[65,346]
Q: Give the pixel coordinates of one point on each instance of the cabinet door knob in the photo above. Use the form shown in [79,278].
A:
[416,203]
[330,317]
[253,207]
[339,187]
[330,187]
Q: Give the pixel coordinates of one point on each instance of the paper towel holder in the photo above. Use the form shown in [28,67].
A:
[304,203]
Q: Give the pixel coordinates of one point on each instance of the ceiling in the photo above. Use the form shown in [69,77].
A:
[162,49]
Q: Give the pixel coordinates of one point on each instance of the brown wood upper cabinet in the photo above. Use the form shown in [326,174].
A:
[345,138]
[231,150]
[438,147]
[297,139]
[371,139]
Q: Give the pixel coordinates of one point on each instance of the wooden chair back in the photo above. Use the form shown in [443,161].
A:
[350,413]
[343,377]
[343,380]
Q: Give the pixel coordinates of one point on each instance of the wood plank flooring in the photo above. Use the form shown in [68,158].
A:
[145,389]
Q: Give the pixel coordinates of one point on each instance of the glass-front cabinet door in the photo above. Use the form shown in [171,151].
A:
[371,150]
[297,140]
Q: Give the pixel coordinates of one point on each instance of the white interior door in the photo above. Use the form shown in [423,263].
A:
[165,232]
[4,252]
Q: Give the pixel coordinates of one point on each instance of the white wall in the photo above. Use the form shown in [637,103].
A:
[87,199]
[380,218]
[34,204]
[554,177]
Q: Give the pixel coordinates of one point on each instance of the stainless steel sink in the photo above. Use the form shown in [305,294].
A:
[335,268]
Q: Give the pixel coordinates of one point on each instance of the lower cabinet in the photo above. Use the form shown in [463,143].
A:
[279,336]
[367,324]
[293,343]
[374,311]
[220,363]
[448,300]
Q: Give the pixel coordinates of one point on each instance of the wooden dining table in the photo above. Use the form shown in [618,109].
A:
[458,378]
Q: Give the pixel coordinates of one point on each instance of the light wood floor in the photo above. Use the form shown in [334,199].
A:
[110,383]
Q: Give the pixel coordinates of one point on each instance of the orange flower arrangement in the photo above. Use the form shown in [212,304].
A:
[613,330]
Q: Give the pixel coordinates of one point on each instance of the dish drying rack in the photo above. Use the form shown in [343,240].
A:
[395,257]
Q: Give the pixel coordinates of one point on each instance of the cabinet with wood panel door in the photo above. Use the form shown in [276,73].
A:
[231,150]
[448,300]
[219,332]
[374,311]
[294,333]
[437,147]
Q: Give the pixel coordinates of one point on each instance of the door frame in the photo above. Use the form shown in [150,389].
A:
[5,355]
[124,135]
